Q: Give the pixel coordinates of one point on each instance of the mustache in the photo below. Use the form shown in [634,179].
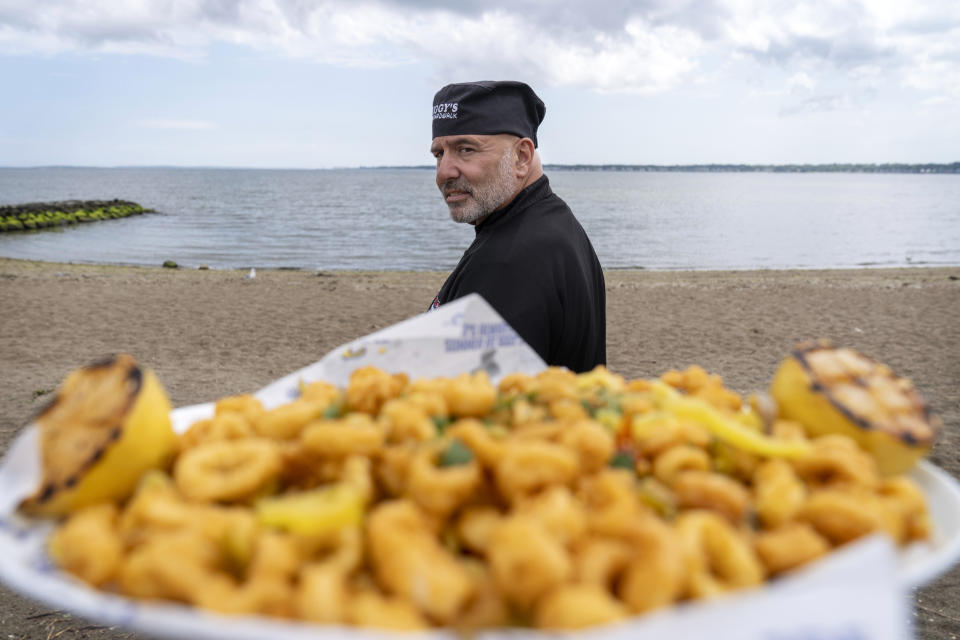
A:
[456,185]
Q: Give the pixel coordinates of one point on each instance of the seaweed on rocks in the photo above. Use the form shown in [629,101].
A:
[43,215]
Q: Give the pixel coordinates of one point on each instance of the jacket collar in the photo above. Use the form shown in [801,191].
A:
[533,192]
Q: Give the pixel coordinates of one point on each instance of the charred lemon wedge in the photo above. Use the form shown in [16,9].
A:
[107,425]
[839,390]
[317,512]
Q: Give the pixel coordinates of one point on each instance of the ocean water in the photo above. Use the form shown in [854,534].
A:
[395,219]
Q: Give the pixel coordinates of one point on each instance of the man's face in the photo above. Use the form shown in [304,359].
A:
[475,174]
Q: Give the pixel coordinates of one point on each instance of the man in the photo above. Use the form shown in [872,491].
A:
[531,259]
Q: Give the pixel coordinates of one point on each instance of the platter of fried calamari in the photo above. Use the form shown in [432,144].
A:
[548,501]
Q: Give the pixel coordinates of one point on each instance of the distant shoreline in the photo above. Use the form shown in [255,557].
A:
[953,168]
[768,168]
[950,271]
[925,168]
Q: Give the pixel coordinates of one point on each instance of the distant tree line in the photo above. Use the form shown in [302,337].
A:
[953,167]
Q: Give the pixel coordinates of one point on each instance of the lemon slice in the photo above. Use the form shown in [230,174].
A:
[839,390]
[317,512]
[725,427]
[108,424]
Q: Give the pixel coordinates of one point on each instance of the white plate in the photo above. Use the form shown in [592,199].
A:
[922,563]
[27,569]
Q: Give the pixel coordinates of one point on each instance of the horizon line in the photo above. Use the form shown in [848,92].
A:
[552,165]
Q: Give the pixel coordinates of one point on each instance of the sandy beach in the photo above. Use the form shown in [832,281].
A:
[210,333]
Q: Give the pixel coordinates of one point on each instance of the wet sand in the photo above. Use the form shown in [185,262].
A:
[211,333]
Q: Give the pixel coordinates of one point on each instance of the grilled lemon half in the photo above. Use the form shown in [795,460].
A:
[839,390]
[107,425]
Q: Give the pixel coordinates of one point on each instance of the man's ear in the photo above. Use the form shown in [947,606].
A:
[525,152]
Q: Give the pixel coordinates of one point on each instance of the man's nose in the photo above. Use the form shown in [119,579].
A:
[446,169]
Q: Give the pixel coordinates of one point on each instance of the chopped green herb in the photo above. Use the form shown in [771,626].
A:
[622,460]
[504,401]
[333,411]
[658,497]
[498,430]
[455,455]
[609,419]
[441,423]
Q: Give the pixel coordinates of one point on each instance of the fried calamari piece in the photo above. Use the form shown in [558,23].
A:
[246,405]
[718,559]
[322,594]
[487,608]
[789,547]
[778,493]
[577,606]
[409,561]
[907,498]
[654,432]
[554,383]
[369,608]
[526,560]
[404,420]
[369,388]
[269,596]
[484,444]
[655,574]
[393,468]
[89,545]
[600,561]
[228,471]
[714,491]
[156,506]
[321,392]
[516,383]
[611,502]
[469,395]
[558,510]
[590,441]
[695,381]
[677,459]
[180,565]
[354,434]
[440,489]
[227,425]
[287,421]
[845,515]
[568,410]
[476,525]
[837,461]
[530,466]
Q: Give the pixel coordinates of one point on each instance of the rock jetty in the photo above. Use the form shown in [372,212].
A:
[40,215]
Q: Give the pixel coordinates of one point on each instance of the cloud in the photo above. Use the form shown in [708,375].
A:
[818,103]
[800,80]
[642,46]
[163,123]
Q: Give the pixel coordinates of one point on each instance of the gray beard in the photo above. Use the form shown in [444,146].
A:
[484,199]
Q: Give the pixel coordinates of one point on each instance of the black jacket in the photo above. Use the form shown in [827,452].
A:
[533,262]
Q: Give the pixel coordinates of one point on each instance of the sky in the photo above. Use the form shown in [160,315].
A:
[347,83]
